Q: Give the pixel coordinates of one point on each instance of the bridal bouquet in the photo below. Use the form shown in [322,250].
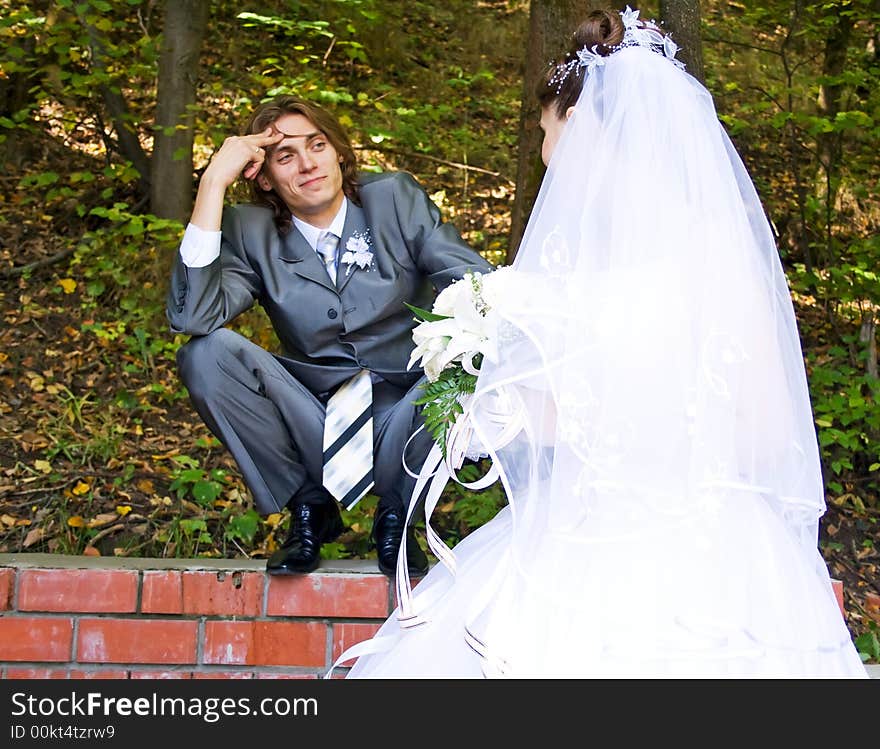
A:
[452,339]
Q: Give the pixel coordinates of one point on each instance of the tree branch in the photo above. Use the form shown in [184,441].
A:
[435,159]
[51,260]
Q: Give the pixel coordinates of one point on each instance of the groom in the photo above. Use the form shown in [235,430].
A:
[331,254]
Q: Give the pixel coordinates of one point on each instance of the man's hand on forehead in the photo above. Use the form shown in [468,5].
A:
[277,131]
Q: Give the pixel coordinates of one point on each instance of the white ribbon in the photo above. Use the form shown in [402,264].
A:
[433,476]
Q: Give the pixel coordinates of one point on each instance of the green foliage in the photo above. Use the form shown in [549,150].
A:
[868,644]
[808,132]
[243,527]
[442,401]
[468,510]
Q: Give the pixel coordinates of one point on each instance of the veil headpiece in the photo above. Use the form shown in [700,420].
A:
[645,34]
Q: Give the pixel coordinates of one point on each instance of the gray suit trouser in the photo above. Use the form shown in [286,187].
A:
[273,425]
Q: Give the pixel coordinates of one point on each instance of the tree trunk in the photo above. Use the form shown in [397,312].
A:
[551,24]
[681,19]
[831,96]
[171,182]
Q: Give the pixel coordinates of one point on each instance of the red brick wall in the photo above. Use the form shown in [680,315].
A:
[88,618]
[105,620]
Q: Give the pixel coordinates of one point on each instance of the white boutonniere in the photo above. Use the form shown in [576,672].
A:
[358,252]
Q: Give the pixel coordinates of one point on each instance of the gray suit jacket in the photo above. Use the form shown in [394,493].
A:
[330,332]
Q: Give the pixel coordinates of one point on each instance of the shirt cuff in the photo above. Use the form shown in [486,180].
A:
[198,247]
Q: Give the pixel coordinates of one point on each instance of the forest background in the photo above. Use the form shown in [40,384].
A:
[109,112]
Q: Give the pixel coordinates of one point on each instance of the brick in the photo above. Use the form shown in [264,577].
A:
[102,673]
[223,593]
[346,634]
[265,643]
[137,641]
[36,673]
[27,638]
[275,675]
[161,675]
[329,594]
[93,591]
[838,593]
[162,592]
[7,587]
[223,675]
[228,643]
[290,643]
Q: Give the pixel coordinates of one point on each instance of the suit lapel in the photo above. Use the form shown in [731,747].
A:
[355,223]
[303,259]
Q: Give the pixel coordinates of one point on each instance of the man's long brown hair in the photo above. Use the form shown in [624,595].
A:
[266,114]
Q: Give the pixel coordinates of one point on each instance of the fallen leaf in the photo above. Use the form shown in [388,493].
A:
[33,536]
[105,518]
[91,551]
[123,510]
[68,284]
[80,488]
[76,521]
[146,486]
[44,466]
[7,520]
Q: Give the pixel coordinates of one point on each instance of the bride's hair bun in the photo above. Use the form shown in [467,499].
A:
[563,81]
[600,34]
[602,29]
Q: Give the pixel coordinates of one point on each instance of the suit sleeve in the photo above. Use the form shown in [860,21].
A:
[437,247]
[201,300]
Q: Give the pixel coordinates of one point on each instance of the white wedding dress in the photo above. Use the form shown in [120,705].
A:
[647,413]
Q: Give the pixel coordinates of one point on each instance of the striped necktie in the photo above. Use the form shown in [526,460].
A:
[326,248]
[348,440]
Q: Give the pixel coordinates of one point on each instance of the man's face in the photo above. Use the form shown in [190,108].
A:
[304,169]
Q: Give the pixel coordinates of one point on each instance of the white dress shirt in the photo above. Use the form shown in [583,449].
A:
[199,247]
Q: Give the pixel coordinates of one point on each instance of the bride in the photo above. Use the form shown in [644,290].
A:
[647,413]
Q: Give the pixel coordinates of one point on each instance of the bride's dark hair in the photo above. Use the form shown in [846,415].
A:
[562,83]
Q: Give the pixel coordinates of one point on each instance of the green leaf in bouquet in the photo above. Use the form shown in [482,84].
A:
[426,315]
[442,402]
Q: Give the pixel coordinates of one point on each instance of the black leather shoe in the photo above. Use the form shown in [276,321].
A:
[310,526]
[388,530]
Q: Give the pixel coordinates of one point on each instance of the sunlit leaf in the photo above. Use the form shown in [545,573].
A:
[33,536]
[104,518]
